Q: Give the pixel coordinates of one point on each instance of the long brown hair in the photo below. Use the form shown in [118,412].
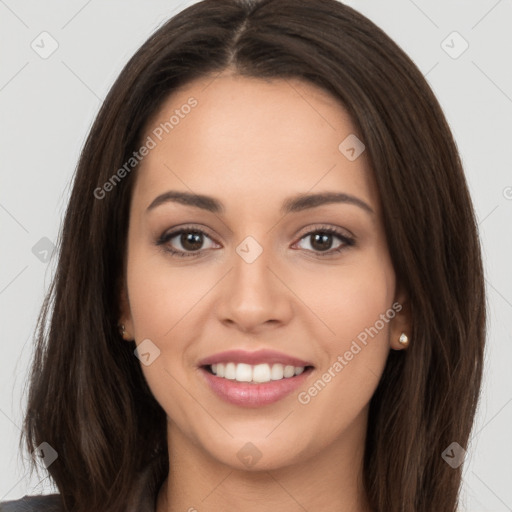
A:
[88,398]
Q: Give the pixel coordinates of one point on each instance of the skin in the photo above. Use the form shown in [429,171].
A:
[252,144]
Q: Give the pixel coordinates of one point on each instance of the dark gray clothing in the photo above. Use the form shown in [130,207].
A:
[142,498]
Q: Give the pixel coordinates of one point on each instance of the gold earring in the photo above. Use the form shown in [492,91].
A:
[403,340]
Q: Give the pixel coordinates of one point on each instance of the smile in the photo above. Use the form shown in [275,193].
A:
[250,392]
[259,373]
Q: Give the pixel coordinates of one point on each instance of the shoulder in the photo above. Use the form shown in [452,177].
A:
[40,503]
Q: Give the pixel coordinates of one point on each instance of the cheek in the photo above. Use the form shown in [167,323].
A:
[358,303]
[350,298]
[355,302]
[169,305]
[161,304]
[160,295]
[353,306]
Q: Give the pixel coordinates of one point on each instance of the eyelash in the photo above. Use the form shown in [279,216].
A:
[165,237]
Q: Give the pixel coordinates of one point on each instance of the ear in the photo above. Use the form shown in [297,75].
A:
[125,317]
[402,321]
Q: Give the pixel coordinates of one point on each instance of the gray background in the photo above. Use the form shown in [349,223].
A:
[48,105]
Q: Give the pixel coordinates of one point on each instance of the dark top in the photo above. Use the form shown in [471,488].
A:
[142,498]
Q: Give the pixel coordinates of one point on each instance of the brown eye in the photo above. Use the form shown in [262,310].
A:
[184,242]
[322,240]
[191,241]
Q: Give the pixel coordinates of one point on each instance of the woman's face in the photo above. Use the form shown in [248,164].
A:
[259,272]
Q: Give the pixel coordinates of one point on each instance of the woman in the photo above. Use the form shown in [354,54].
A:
[269,293]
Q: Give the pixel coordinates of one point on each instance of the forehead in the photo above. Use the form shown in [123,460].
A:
[241,135]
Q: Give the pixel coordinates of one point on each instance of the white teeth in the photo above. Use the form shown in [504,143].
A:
[243,372]
[260,373]
[277,372]
[230,372]
[289,371]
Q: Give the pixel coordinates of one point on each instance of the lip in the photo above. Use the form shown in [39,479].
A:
[253,358]
[246,394]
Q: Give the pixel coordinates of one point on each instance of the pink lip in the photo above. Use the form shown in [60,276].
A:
[249,394]
[253,358]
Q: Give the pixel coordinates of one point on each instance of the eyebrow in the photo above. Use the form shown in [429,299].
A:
[293,204]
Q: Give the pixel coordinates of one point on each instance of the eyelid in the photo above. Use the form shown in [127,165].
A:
[173,232]
[338,230]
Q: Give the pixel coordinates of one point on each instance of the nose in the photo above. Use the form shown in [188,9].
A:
[254,296]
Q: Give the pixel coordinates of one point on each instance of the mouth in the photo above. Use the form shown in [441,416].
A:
[255,374]
[253,378]
[249,386]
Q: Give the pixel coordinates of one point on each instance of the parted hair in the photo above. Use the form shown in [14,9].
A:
[87,395]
